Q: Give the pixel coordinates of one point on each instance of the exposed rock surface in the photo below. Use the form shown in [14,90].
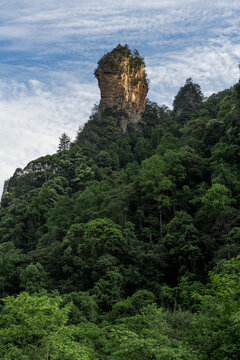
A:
[123,84]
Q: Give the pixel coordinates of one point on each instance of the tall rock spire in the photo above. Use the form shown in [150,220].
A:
[123,84]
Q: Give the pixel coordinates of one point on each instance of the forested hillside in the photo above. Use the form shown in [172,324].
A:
[125,245]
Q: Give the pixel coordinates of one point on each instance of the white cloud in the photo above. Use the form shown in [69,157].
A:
[32,118]
[54,21]
[212,66]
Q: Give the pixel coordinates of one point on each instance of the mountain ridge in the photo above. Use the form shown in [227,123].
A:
[109,243]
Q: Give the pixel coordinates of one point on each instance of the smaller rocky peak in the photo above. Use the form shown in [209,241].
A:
[189,99]
[123,84]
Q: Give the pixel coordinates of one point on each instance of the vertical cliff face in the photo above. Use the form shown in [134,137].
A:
[123,84]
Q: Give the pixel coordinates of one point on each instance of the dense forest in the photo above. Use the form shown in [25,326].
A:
[125,245]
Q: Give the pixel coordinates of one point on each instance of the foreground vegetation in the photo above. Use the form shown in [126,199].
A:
[125,246]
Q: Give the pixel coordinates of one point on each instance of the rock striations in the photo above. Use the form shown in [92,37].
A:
[123,84]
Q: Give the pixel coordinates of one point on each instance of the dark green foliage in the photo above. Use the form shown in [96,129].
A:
[83,307]
[34,278]
[182,242]
[188,101]
[120,224]
[217,323]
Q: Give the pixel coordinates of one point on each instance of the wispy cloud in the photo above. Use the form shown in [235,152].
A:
[213,66]
[55,21]
[49,50]
[32,118]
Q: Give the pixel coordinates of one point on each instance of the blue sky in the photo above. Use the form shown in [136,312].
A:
[49,50]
